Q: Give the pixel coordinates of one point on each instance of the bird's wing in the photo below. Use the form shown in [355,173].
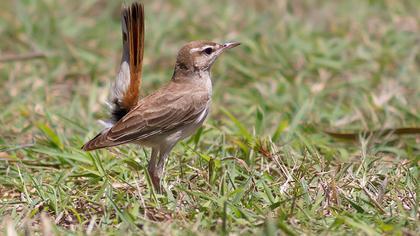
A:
[163,111]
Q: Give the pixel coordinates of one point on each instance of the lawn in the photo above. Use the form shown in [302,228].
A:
[261,164]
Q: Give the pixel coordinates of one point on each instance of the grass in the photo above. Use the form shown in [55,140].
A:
[260,164]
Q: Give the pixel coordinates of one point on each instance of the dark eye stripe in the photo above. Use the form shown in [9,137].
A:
[208,50]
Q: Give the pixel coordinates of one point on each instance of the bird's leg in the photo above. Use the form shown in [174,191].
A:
[157,164]
[152,169]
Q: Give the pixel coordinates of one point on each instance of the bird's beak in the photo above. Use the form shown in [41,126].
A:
[231,45]
[226,46]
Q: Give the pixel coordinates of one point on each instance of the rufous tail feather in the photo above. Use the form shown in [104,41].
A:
[125,91]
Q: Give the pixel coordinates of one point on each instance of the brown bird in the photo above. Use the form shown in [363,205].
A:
[168,115]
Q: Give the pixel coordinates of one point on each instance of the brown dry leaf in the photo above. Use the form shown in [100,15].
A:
[157,214]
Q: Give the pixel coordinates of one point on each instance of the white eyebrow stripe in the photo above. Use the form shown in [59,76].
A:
[200,49]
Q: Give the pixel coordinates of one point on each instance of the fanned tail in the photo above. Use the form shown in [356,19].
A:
[125,90]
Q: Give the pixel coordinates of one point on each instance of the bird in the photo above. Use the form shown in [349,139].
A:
[169,114]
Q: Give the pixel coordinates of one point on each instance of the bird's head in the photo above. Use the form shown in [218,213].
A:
[199,56]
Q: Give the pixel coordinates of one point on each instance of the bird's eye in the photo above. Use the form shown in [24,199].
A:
[208,51]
